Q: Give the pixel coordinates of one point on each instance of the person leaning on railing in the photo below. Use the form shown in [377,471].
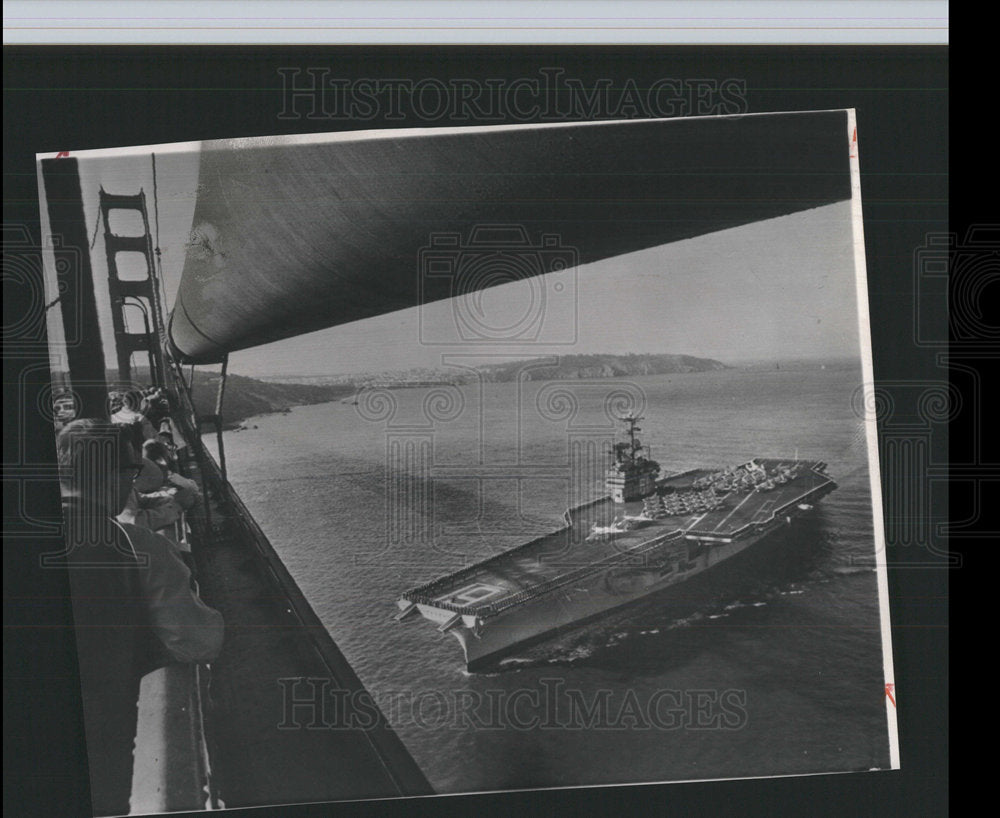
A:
[150,504]
[133,604]
[185,491]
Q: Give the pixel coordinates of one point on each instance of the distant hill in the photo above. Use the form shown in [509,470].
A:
[569,367]
[248,397]
[575,367]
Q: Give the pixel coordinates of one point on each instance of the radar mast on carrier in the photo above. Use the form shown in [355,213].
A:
[633,475]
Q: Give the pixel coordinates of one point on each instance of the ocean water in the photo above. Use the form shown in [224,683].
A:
[769,664]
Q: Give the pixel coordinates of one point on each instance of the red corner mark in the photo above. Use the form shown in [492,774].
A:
[854,143]
[888,692]
[62,154]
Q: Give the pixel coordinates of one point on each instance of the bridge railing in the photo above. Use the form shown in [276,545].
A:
[171,769]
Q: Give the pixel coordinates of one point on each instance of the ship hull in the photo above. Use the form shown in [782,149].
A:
[615,588]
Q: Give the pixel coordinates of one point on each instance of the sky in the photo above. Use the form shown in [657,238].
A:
[783,288]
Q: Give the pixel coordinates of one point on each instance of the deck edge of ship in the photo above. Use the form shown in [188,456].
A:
[418,596]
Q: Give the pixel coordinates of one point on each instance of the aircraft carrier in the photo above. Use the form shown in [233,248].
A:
[647,535]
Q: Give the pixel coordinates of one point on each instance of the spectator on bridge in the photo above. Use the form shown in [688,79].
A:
[150,503]
[133,605]
[126,411]
[155,406]
[186,491]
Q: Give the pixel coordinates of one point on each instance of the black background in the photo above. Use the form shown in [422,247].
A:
[75,98]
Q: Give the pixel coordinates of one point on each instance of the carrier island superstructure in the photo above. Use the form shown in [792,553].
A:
[645,536]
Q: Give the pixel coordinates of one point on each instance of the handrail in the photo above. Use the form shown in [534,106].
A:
[170,770]
[171,766]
